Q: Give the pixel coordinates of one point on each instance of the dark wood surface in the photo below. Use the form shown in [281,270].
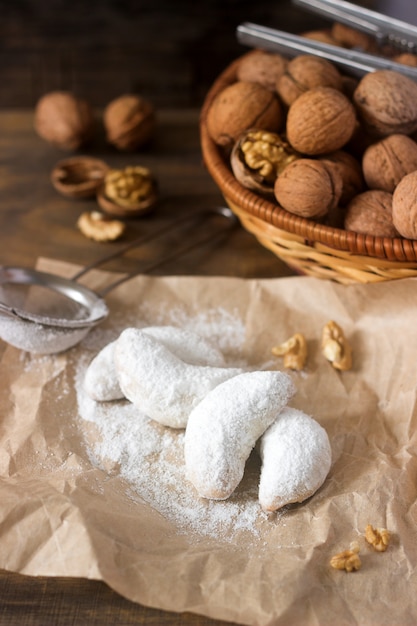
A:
[36,221]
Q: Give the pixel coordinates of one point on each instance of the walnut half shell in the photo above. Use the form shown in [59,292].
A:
[258,157]
[79,177]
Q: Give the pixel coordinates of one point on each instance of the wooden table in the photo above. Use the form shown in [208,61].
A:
[36,221]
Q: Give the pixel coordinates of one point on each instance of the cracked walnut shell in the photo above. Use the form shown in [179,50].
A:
[240,106]
[79,176]
[321,120]
[258,157]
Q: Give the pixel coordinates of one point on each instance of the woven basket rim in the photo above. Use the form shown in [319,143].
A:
[392,249]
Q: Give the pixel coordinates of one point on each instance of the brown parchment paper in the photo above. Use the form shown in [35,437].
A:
[62,514]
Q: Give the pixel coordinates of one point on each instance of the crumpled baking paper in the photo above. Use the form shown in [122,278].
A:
[63,514]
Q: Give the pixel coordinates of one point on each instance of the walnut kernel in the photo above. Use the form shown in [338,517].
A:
[128,192]
[294,351]
[258,157]
[378,538]
[96,226]
[347,560]
[335,347]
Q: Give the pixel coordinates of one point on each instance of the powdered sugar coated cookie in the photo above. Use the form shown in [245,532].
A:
[223,429]
[296,459]
[160,384]
[101,382]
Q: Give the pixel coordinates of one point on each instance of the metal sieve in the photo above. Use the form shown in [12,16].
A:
[46,314]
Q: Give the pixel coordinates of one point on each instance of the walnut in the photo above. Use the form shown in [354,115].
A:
[378,538]
[321,120]
[386,102]
[350,171]
[79,176]
[306,72]
[352,38]
[129,121]
[406,58]
[386,162]
[294,351]
[371,213]
[309,188]
[324,36]
[128,192]
[260,66]
[240,106]
[96,226]
[347,560]
[258,157]
[335,347]
[64,120]
[404,206]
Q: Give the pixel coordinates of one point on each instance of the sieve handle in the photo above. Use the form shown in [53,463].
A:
[230,222]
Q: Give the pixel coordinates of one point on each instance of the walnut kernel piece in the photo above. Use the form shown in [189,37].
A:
[294,351]
[347,560]
[128,192]
[96,226]
[378,538]
[335,347]
[258,157]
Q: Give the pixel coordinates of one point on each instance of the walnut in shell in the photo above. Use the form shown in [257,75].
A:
[305,72]
[370,213]
[309,188]
[129,121]
[386,102]
[64,120]
[258,157]
[351,38]
[260,66]
[321,120]
[240,106]
[386,162]
[404,206]
[350,171]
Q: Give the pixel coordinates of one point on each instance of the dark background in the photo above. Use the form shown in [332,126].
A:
[168,51]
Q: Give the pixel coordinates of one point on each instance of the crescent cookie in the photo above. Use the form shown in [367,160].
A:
[223,429]
[159,383]
[101,381]
[296,458]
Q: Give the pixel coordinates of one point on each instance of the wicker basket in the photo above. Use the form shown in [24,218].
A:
[306,246]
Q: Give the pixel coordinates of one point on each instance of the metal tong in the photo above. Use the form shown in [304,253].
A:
[352,61]
[386,30]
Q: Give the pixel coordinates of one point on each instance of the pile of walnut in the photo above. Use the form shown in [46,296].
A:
[323,145]
[67,122]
